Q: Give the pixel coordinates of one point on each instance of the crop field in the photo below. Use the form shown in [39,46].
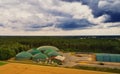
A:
[16,68]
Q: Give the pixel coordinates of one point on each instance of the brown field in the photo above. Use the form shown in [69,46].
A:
[16,68]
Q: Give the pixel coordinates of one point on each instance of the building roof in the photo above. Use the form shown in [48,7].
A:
[23,56]
[48,51]
[43,48]
[61,58]
[33,51]
[39,56]
[53,54]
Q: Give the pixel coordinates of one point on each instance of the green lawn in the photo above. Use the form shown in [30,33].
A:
[2,63]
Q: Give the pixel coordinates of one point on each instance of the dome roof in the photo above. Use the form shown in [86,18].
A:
[43,48]
[53,54]
[23,56]
[48,51]
[39,56]
[33,51]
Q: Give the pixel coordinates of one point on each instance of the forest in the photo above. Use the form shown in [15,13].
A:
[11,45]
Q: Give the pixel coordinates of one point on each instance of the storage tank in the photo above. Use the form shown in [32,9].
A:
[23,56]
[33,51]
[40,57]
[103,57]
[44,48]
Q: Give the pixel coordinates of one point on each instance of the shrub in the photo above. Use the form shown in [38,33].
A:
[5,53]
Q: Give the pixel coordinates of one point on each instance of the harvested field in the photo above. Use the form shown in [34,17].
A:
[16,68]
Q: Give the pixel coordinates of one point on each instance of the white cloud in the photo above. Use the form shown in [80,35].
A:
[24,16]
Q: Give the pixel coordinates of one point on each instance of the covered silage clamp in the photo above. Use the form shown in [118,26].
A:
[39,57]
[23,56]
[33,51]
[108,57]
[44,48]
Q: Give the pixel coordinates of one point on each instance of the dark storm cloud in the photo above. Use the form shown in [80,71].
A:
[1,25]
[112,8]
[71,24]
[36,27]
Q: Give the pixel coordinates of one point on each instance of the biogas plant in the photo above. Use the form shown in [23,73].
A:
[50,55]
[43,54]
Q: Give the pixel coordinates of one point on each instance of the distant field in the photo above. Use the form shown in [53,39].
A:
[16,68]
[2,63]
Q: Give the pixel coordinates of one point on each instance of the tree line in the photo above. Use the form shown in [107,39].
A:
[10,46]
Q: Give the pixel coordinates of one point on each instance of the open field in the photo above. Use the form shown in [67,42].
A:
[2,63]
[16,68]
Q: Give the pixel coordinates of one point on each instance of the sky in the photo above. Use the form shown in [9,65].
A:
[59,17]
